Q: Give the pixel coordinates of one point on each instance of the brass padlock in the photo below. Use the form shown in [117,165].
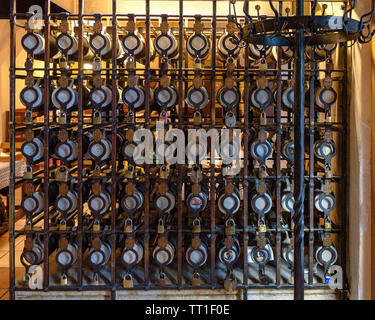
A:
[127,282]
[197,63]
[28,117]
[197,118]
[128,226]
[161,280]
[129,173]
[96,117]
[62,174]
[163,172]
[62,118]
[196,226]
[64,280]
[230,227]
[161,226]
[28,174]
[196,279]
[327,225]
[96,226]
[130,63]
[95,281]
[262,228]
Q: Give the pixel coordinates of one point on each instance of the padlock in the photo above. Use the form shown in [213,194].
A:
[127,282]
[130,63]
[129,173]
[163,172]
[196,279]
[97,64]
[62,174]
[163,117]
[262,228]
[196,226]
[161,226]
[97,118]
[230,119]
[95,281]
[161,280]
[230,227]
[28,118]
[128,225]
[96,226]
[28,174]
[327,225]
[197,63]
[64,280]
[62,118]
[197,118]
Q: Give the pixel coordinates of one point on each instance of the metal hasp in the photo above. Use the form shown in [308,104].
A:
[301,31]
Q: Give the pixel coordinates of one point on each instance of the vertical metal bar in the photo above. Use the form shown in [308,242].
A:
[212,169]
[147,171]
[299,131]
[245,171]
[345,168]
[278,160]
[180,167]
[46,147]
[114,150]
[311,165]
[80,129]
[12,150]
